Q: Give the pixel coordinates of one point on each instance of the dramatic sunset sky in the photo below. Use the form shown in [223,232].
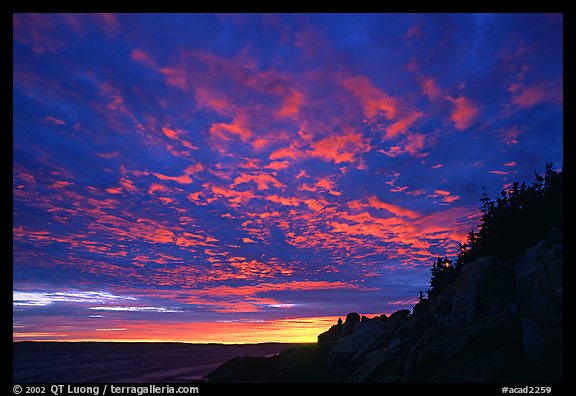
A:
[250,178]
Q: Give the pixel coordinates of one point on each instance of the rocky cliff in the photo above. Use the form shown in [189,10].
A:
[500,321]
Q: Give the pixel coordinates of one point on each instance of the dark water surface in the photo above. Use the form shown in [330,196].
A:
[56,362]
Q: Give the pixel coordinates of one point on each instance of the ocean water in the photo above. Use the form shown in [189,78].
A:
[54,362]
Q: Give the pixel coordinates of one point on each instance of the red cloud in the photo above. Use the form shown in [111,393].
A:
[316,205]
[499,172]
[143,58]
[194,196]
[225,131]
[465,112]
[110,23]
[277,165]
[247,291]
[291,152]
[430,89]
[529,96]
[510,136]
[261,179]
[341,148]
[54,121]
[373,99]
[283,201]
[176,135]
[128,184]
[397,210]
[259,144]
[185,178]
[302,173]
[324,183]
[156,187]
[234,197]
[116,190]
[413,144]
[291,105]
[446,196]
[402,125]
[176,77]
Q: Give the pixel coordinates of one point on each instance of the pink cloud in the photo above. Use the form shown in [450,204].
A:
[143,58]
[325,183]
[109,22]
[414,32]
[291,152]
[446,196]
[177,135]
[194,196]
[394,209]
[431,89]
[283,201]
[262,180]
[372,98]
[233,196]
[528,96]
[225,131]
[291,105]
[316,205]
[184,178]
[499,172]
[341,148]
[156,187]
[465,112]
[277,165]
[128,184]
[413,144]
[302,173]
[402,125]
[116,190]
[176,77]
[510,136]
[54,121]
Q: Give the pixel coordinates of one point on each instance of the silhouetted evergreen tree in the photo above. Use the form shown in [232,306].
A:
[443,274]
[516,219]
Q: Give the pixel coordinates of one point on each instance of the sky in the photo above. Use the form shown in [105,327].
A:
[247,178]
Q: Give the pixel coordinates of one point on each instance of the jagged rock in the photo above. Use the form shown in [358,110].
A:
[539,278]
[441,305]
[468,287]
[352,320]
[331,335]
[421,323]
[342,359]
[421,307]
[400,314]
[534,340]
[500,321]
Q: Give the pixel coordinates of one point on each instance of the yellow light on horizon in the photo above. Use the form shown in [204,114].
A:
[288,330]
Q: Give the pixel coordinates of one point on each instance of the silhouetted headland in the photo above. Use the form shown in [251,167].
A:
[495,315]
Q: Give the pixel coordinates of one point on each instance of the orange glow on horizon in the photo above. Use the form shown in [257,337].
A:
[290,330]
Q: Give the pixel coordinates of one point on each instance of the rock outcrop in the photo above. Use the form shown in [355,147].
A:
[500,321]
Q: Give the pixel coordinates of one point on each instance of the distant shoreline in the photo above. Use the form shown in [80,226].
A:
[162,342]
